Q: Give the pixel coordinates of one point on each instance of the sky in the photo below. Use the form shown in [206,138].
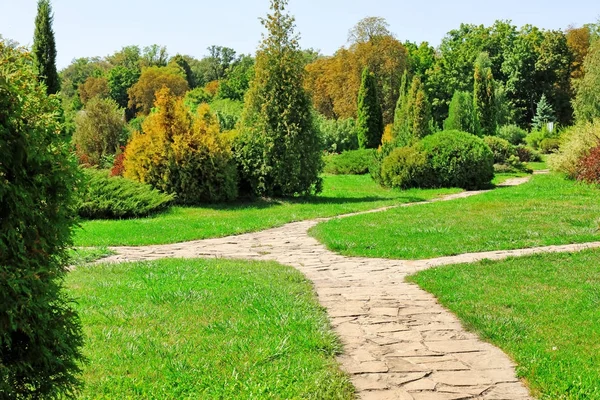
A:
[86,28]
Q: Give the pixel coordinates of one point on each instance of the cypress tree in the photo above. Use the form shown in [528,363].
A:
[44,48]
[460,114]
[402,99]
[484,102]
[278,150]
[369,125]
[543,115]
[421,113]
[413,119]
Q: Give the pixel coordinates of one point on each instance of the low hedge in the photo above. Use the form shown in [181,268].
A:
[353,162]
[106,197]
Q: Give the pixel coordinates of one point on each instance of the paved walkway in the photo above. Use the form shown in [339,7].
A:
[399,342]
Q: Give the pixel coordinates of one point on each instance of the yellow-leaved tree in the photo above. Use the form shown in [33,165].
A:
[182,153]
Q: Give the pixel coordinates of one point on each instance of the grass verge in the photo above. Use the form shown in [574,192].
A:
[342,194]
[89,254]
[548,210]
[542,310]
[204,329]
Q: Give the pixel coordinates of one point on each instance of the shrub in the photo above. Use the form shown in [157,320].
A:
[182,154]
[501,148]
[354,162]
[228,112]
[512,164]
[527,154]
[100,129]
[589,167]
[388,134]
[106,197]
[535,138]
[338,135]
[405,168]
[549,145]
[576,144]
[512,133]
[40,332]
[457,159]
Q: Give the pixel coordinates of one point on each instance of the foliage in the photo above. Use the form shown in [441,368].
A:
[549,145]
[369,122]
[404,168]
[527,154]
[197,96]
[93,87]
[587,101]
[578,40]
[105,197]
[352,162]
[182,154]
[182,63]
[461,115]
[239,75]
[543,115]
[512,133]
[388,134]
[44,48]
[369,29]
[576,144]
[40,333]
[484,102]
[457,159]
[501,149]
[120,80]
[337,135]
[412,118]
[100,130]
[228,112]
[589,167]
[152,79]
[279,149]
[535,138]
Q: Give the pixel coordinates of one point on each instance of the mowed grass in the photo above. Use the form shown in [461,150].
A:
[89,254]
[543,310]
[204,329]
[548,210]
[342,194]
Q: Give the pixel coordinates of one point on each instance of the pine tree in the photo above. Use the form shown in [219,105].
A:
[44,48]
[484,102]
[369,125]
[278,150]
[460,114]
[543,115]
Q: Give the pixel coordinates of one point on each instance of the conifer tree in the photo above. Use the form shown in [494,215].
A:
[413,120]
[369,123]
[278,150]
[484,102]
[543,115]
[460,114]
[44,48]
[402,99]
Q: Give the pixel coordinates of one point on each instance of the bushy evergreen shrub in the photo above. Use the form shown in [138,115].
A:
[182,154]
[106,197]
[527,154]
[405,168]
[577,142]
[458,159]
[353,162]
[501,149]
[40,332]
[514,134]
[338,135]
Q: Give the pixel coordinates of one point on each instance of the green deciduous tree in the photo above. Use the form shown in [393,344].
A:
[279,148]
[40,332]
[484,102]
[587,100]
[369,123]
[44,48]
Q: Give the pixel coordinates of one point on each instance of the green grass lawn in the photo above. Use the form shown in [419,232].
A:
[204,329]
[548,210]
[89,254]
[543,310]
[342,194]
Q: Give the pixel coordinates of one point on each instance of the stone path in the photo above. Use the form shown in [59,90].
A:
[399,343]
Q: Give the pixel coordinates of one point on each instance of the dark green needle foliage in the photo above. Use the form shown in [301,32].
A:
[44,48]
[370,118]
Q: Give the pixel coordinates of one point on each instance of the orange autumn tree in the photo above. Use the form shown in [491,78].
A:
[142,94]
[182,153]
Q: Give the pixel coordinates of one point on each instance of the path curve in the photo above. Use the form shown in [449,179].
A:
[399,342]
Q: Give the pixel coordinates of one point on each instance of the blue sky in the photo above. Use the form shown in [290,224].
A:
[87,28]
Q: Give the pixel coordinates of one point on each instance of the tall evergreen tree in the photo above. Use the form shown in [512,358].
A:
[369,123]
[484,102]
[44,48]
[460,114]
[543,115]
[278,150]
[402,99]
[413,120]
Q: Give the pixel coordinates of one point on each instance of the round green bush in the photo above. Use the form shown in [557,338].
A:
[404,168]
[549,145]
[501,149]
[40,332]
[457,159]
[512,133]
[353,162]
